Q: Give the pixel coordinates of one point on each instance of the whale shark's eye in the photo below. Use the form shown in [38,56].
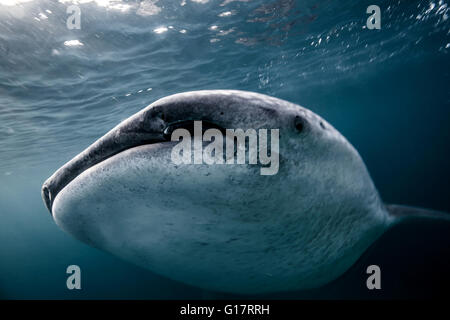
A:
[299,124]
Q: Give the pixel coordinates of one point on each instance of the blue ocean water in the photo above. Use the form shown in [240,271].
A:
[386,90]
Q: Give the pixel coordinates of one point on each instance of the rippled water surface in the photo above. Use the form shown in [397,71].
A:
[386,90]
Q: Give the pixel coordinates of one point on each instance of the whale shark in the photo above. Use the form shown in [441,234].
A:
[225,227]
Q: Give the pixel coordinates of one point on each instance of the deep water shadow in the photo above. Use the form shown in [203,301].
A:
[414,258]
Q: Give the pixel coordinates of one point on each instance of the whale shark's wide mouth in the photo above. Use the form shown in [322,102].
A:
[110,145]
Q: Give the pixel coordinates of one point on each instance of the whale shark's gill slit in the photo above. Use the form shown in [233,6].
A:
[189,126]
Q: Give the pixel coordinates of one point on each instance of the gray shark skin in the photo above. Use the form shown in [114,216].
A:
[225,227]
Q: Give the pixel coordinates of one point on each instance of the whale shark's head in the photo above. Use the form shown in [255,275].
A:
[222,226]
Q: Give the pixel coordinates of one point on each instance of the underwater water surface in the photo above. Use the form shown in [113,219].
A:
[387,91]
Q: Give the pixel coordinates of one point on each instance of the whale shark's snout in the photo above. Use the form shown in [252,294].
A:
[222,226]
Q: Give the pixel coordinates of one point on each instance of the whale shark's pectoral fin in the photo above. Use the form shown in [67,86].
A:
[400,213]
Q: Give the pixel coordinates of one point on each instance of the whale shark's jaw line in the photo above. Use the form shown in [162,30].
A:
[107,147]
[104,148]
